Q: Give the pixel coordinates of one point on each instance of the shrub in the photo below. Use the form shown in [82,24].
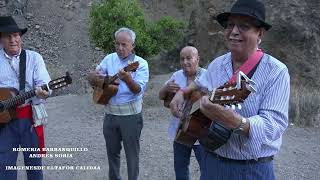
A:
[106,16]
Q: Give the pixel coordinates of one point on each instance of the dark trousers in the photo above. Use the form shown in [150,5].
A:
[182,154]
[14,134]
[214,168]
[125,129]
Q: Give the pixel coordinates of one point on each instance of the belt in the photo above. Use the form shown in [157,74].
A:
[245,161]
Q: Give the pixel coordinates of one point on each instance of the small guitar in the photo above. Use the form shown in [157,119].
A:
[11,98]
[102,89]
[195,125]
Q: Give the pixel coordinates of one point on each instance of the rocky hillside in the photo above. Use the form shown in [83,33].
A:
[58,29]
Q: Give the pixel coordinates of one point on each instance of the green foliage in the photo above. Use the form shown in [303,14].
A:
[107,16]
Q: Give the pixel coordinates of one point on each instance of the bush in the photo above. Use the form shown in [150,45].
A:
[107,16]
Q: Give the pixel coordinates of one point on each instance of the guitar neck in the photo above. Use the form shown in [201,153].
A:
[131,67]
[20,99]
[113,78]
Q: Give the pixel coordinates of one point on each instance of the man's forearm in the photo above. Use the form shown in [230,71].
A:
[133,86]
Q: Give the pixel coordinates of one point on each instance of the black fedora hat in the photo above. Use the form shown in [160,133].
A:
[252,8]
[9,25]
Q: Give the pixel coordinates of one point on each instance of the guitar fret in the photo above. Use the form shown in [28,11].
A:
[22,97]
[18,100]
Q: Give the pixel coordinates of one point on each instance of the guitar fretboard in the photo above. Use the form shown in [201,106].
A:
[18,100]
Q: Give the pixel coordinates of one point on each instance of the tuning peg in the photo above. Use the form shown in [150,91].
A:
[239,106]
[233,107]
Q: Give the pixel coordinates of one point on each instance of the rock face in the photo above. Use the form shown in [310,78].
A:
[58,29]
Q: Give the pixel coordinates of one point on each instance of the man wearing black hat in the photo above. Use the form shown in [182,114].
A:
[256,129]
[20,133]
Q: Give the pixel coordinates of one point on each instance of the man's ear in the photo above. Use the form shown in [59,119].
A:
[261,32]
[134,45]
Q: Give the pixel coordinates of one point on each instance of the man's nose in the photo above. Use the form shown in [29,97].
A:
[120,47]
[11,38]
[235,29]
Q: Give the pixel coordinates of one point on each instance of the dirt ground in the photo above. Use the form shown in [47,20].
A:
[75,122]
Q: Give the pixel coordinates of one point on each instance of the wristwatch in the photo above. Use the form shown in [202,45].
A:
[240,128]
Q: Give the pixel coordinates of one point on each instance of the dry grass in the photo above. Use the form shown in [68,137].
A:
[304,106]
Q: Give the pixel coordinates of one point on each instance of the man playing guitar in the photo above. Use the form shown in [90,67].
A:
[20,131]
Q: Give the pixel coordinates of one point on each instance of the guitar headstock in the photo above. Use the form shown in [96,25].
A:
[60,82]
[232,94]
[132,66]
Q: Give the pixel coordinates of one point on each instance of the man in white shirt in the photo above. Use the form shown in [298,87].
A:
[20,132]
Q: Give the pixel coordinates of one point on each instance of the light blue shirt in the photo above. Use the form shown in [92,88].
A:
[36,72]
[111,64]
[267,109]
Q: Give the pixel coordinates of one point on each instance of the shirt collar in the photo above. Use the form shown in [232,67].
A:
[9,57]
[130,57]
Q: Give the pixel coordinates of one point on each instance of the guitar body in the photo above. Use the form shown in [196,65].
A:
[196,126]
[184,138]
[167,100]
[188,125]
[10,114]
[102,96]
[104,87]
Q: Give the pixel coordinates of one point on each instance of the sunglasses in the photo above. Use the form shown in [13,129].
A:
[242,26]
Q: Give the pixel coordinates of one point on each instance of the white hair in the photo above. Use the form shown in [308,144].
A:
[131,33]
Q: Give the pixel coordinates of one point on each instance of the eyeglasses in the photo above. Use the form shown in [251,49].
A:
[242,27]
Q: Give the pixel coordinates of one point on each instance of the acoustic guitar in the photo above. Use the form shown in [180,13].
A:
[10,98]
[195,125]
[103,89]
[167,100]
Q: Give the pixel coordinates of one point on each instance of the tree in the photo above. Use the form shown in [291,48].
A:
[106,16]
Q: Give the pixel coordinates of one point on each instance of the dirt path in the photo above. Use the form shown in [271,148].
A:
[76,123]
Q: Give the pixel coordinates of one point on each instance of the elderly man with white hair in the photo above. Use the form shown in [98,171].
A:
[123,120]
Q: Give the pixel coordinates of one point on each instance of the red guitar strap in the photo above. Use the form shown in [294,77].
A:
[249,65]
